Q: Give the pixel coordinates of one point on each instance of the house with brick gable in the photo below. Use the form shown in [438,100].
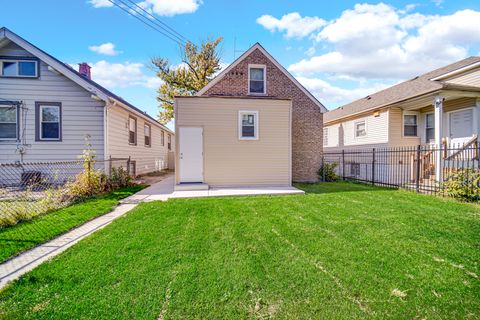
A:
[254,124]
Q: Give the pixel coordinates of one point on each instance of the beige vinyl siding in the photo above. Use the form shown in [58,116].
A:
[376,127]
[396,138]
[229,161]
[333,136]
[471,78]
[81,115]
[148,159]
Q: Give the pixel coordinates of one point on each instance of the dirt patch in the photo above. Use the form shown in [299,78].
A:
[152,177]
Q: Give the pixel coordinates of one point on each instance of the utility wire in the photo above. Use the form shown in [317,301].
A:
[181,43]
[178,35]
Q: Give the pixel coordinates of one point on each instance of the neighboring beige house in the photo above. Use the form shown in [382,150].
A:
[47,109]
[254,124]
[439,106]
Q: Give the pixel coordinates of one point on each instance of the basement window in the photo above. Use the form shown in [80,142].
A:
[248,125]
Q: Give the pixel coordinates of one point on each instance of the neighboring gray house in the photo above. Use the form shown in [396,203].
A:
[47,108]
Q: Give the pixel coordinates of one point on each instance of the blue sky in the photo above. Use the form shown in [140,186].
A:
[340,50]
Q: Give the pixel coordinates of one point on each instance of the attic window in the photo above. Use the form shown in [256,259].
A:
[18,68]
[256,79]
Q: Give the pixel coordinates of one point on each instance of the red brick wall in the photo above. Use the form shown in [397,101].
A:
[307,119]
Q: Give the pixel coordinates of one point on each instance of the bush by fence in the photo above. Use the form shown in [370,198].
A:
[452,170]
[31,189]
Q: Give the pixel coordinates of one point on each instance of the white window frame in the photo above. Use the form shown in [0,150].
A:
[40,120]
[16,122]
[426,123]
[130,117]
[355,131]
[410,113]
[258,66]
[147,125]
[255,124]
[162,138]
[325,137]
[18,69]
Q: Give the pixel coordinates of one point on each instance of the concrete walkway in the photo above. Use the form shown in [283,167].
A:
[162,190]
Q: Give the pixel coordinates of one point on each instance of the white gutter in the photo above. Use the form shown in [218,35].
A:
[454,72]
[140,114]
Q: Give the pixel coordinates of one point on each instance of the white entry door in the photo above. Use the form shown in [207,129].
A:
[191,154]
[461,125]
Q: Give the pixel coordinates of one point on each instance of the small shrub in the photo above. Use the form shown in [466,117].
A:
[119,178]
[464,185]
[327,172]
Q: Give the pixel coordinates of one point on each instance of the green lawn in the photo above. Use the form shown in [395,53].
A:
[343,251]
[26,235]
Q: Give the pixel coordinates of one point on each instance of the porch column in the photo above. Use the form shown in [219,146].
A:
[438,106]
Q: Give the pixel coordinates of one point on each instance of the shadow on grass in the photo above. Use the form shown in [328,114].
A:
[28,233]
[338,187]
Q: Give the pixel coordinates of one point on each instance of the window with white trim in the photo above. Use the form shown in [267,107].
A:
[148,133]
[429,127]
[248,125]
[360,129]
[132,130]
[410,125]
[169,137]
[19,68]
[256,79]
[8,122]
[50,122]
[162,138]
[325,137]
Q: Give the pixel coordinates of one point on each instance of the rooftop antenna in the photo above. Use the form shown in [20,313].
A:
[235,48]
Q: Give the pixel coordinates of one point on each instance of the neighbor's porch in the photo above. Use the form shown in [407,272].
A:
[447,121]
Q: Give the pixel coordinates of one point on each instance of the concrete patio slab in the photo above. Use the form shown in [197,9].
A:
[245,191]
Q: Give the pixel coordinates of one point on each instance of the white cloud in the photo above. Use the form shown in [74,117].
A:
[122,75]
[100,3]
[310,51]
[170,7]
[166,8]
[333,95]
[293,24]
[107,49]
[379,41]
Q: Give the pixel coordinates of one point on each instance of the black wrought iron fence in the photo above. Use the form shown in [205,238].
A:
[31,189]
[428,169]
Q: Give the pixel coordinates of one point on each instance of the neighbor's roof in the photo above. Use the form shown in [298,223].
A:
[73,74]
[275,62]
[412,88]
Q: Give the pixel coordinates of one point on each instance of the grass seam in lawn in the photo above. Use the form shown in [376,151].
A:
[318,265]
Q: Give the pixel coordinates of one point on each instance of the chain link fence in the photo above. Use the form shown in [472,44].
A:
[31,189]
